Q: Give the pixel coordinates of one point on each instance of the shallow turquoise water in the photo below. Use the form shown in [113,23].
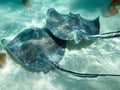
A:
[102,56]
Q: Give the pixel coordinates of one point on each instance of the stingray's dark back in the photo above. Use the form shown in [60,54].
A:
[34,47]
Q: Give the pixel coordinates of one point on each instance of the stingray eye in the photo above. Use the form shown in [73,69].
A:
[78,15]
[52,13]
[51,10]
[70,14]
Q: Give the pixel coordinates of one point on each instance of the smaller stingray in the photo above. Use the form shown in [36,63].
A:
[39,50]
[74,27]
[71,26]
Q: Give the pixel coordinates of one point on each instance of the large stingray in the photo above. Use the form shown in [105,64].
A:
[39,50]
[34,47]
[74,27]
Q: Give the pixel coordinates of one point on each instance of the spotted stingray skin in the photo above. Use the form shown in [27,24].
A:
[34,48]
[71,26]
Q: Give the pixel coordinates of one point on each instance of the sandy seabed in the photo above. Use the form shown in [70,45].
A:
[102,56]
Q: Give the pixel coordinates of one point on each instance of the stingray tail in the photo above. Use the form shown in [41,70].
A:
[103,35]
[83,75]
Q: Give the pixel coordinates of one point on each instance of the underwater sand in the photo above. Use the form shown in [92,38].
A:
[102,56]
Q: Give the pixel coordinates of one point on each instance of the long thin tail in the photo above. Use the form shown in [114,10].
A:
[56,66]
[83,75]
[103,35]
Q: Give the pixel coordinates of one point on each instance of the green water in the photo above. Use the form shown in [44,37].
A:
[102,56]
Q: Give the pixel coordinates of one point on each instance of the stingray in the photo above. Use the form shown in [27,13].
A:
[74,27]
[34,47]
[38,50]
